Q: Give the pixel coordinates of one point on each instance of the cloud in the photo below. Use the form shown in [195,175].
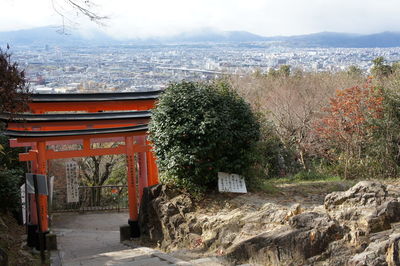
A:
[146,18]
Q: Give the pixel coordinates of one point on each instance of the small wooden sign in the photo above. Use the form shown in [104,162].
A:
[71,168]
[231,183]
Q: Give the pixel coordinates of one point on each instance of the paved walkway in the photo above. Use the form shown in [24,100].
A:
[93,239]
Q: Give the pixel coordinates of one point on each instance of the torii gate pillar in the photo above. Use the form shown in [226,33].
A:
[132,195]
[38,226]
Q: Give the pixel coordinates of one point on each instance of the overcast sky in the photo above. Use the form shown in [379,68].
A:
[144,18]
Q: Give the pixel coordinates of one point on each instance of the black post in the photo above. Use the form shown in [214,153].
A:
[135,231]
[35,184]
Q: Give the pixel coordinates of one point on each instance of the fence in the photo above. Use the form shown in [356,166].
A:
[94,198]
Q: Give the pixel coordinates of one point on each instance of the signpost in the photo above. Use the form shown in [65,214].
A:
[23,203]
[72,181]
[51,190]
[231,183]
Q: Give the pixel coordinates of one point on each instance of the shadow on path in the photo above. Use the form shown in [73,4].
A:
[84,235]
[93,239]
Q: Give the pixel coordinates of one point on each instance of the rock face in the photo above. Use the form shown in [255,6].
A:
[367,207]
[307,235]
[354,227]
[163,218]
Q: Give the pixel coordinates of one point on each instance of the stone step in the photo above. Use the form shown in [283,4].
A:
[151,261]
[107,258]
[133,257]
[161,255]
[212,261]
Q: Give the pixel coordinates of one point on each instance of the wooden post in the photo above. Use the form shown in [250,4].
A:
[32,200]
[41,235]
[143,182]
[131,174]
[32,224]
[42,169]
[152,170]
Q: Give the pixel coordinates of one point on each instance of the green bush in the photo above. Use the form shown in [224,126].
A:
[199,129]
[8,155]
[10,181]
[11,176]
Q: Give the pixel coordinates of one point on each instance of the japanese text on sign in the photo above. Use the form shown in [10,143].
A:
[231,183]
[72,181]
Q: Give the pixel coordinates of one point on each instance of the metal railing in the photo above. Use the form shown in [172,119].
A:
[95,198]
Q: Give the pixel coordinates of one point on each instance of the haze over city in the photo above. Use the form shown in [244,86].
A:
[143,45]
[151,18]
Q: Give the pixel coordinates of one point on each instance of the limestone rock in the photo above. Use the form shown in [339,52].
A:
[353,227]
[307,235]
[382,250]
[393,251]
[366,208]
[162,216]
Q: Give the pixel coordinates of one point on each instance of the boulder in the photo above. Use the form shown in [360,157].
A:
[307,235]
[162,217]
[366,208]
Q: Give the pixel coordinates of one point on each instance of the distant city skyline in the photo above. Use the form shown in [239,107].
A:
[154,18]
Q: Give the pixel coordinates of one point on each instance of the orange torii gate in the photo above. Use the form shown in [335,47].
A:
[97,118]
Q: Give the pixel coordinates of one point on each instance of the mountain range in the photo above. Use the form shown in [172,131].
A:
[51,36]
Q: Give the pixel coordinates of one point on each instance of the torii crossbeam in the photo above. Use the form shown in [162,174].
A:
[96,118]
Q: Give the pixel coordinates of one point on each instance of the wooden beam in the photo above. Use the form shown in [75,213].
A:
[63,138]
[50,154]
[29,156]
[139,105]
[75,125]
[14,143]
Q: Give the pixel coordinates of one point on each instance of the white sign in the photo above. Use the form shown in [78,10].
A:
[231,183]
[23,203]
[72,181]
[51,189]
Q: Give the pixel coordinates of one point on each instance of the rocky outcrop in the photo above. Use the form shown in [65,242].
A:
[354,227]
[308,234]
[367,207]
[163,218]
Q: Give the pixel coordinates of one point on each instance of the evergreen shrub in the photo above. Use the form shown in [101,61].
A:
[199,129]
[10,182]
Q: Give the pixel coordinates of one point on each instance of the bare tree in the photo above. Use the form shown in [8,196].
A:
[293,103]
[86,8]
[96,171]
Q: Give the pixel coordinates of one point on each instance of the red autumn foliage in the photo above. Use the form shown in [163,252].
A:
[346,120]
[14,92]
